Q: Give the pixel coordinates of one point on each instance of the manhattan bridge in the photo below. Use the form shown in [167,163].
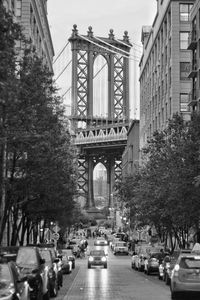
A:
[93,76]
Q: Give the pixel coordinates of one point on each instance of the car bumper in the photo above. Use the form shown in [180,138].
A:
[178,286]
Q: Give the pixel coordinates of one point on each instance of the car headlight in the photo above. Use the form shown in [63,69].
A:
[91,258]
[97,242]
[103,259]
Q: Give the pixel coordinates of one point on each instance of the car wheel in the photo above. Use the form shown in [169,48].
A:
[148,272]
[89,266]
[73,265]
[132,266]
[105,266]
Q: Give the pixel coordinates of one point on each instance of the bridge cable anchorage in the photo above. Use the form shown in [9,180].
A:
[60,52]
[63,70]
[107,49]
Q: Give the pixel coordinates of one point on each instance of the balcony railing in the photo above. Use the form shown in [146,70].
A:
[192,40]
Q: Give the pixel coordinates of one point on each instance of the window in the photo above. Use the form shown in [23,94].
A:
[184,40]
[18,10]
[184,70]
[184,100]
[184,12]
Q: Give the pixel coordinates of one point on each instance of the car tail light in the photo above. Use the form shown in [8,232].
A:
[175,270]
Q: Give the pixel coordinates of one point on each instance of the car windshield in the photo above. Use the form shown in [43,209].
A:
[26,256]
[97,253]
[5,277]
[190,262]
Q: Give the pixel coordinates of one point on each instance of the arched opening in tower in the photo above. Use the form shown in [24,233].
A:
[100,186]
[100,87]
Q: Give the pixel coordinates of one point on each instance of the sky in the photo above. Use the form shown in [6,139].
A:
[103,15]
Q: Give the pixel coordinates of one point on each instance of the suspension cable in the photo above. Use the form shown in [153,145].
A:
[127,53]
[61,52]
[113,52]
[100,70]
[63,70]
[67,91]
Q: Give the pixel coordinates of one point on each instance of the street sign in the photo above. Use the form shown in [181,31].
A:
[55,236]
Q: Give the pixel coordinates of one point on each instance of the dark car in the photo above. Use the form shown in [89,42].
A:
[52,275]
[97,258]
[32,265]
[12,285]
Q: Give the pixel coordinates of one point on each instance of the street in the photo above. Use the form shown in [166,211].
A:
[117,282]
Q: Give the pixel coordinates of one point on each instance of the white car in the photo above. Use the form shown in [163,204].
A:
[120,248]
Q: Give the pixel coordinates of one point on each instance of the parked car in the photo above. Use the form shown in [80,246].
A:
[97,258]
[51,271]
[12,285]
[66,265]
[120,248]
[71,257]
[185,275]
[151,263]
[32,265]
[57,262]
[140,261]
[100,241]
[167,265]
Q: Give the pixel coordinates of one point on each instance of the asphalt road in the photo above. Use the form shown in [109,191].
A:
[118,282]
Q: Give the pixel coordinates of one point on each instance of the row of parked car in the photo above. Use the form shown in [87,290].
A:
[33,272]
[180,270]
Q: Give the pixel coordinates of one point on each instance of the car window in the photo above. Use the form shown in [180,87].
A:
[97,252]
[5,277]
[27,256]
[190,263]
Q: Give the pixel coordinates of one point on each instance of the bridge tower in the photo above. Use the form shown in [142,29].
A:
[99,138]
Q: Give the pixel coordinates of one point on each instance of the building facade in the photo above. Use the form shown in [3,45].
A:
[130,157]
[164,67]
[194,46]
[32,16]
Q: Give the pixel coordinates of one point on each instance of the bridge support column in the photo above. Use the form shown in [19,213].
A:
[110,178]
[90,202]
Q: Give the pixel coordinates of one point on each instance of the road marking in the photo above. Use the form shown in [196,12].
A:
[71,287]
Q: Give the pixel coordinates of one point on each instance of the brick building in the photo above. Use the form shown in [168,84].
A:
[164,67]
[32,15]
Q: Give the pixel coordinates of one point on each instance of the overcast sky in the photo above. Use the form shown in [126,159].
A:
[103,15]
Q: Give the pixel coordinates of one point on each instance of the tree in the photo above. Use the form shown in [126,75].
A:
[40,169]
[164,194]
